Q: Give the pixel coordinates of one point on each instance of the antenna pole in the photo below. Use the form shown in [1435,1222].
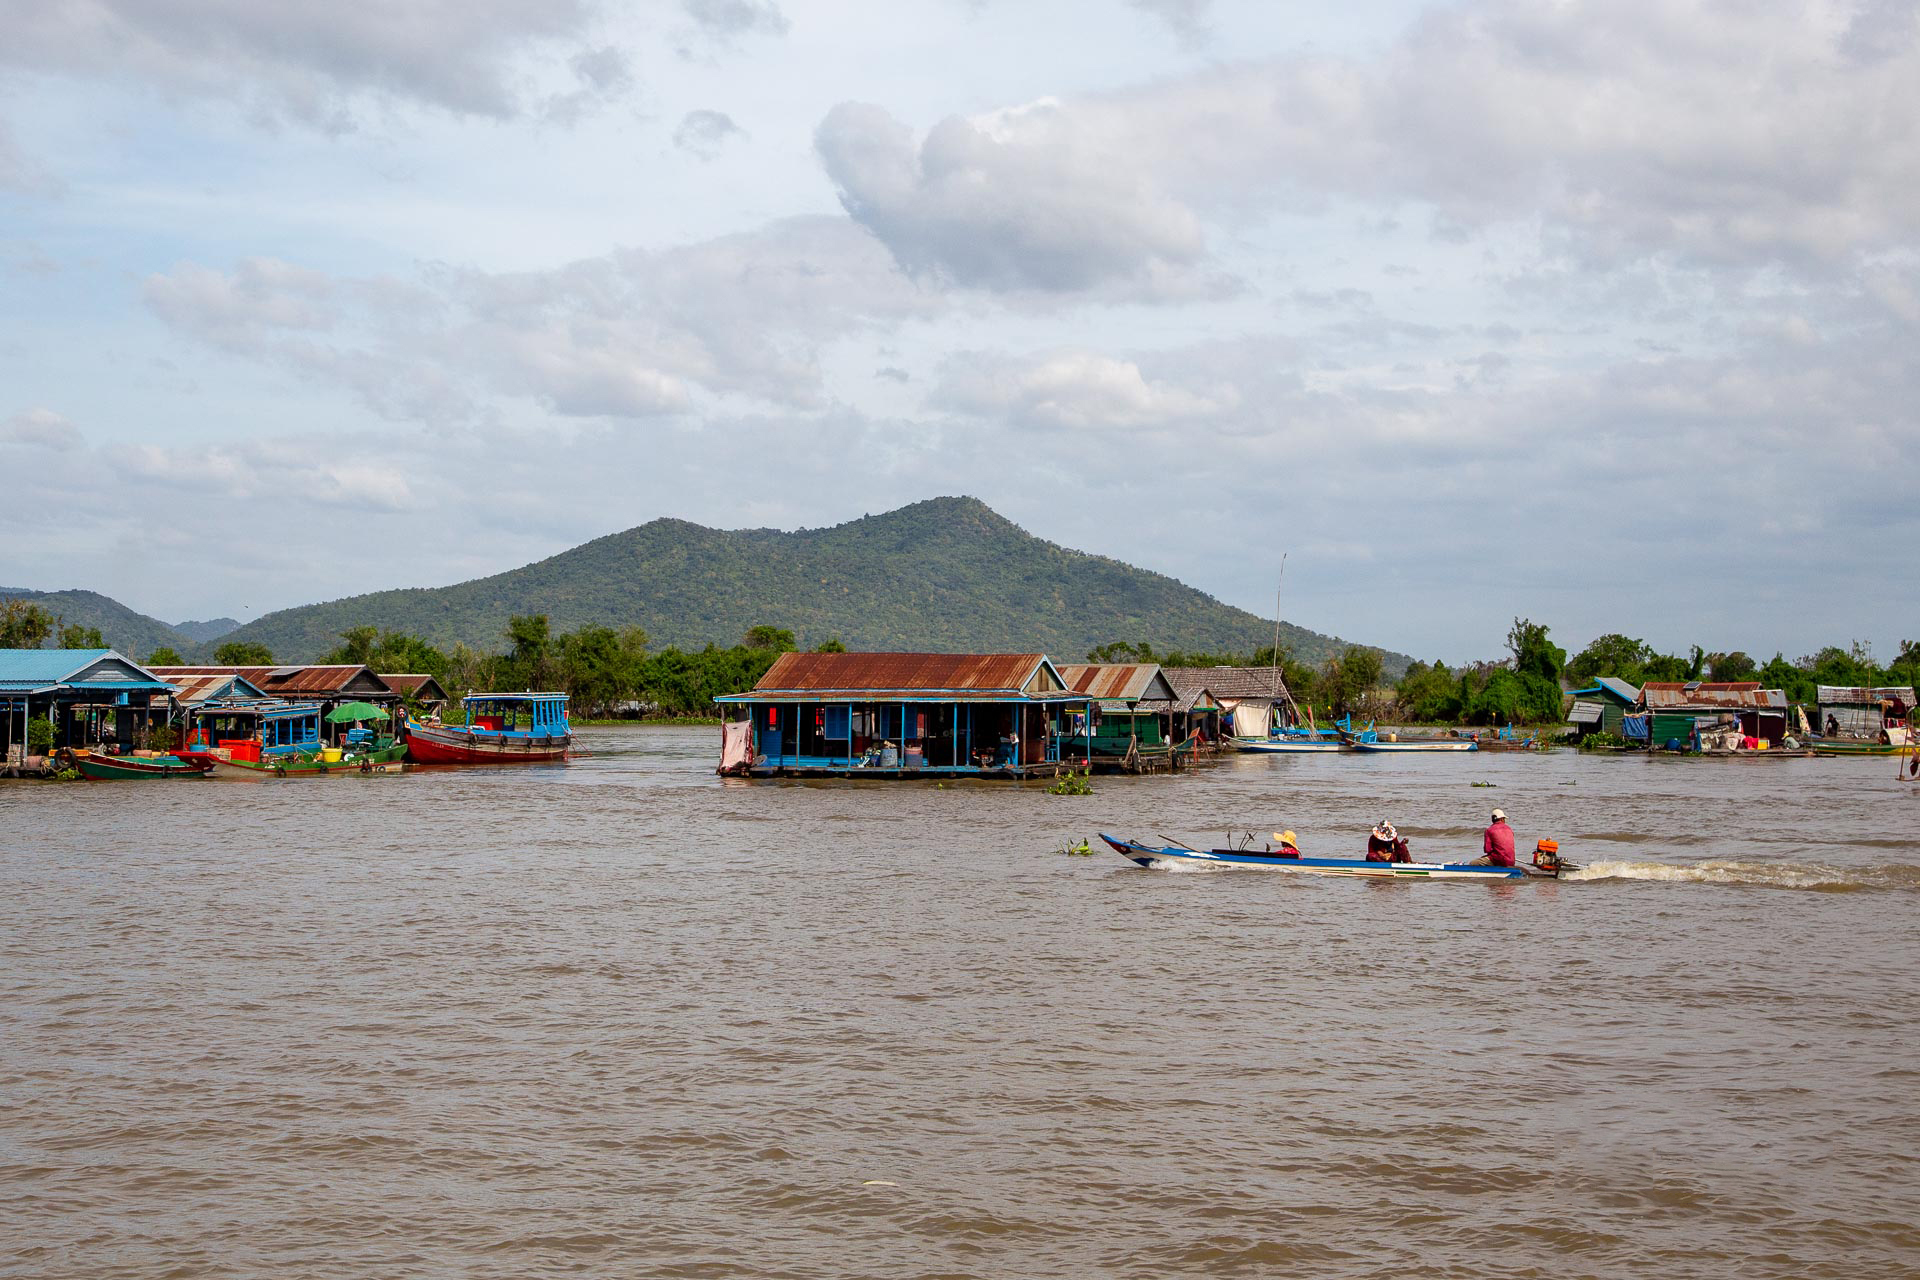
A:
[1274,692]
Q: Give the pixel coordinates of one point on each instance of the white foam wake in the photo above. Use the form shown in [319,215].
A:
[1775,875]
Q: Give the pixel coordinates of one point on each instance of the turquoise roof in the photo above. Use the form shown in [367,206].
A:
[31,670]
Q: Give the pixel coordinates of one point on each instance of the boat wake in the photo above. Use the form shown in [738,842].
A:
[1770,875]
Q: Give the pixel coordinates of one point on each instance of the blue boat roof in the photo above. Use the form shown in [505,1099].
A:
[514,697]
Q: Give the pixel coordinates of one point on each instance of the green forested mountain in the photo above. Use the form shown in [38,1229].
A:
[947,574]
[133,634]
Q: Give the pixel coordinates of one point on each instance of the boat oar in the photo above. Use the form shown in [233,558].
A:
[1177,845]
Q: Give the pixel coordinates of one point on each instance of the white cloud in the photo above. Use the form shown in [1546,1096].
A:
[40,428]
[703,133]
[1074,390]
[1014,201]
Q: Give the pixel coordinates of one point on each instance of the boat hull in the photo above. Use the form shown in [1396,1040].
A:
[128,768]
[456,744]
[1297,746]
[1353,868]
[387,760]
[1436,744]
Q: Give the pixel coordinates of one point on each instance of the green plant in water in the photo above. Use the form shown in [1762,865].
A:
[1081,849]
[1483,784]
[1601,740]
[67,775]
[1071,783]
[40,735]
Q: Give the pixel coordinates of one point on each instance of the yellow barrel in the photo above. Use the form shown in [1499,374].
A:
[329,755]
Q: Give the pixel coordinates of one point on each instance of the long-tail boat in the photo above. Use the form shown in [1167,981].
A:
[1546,864]
[123,768]
[501,728]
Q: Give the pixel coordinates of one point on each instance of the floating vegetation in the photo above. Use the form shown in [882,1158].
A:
[1071,783]
[1483,784]
[1080,850]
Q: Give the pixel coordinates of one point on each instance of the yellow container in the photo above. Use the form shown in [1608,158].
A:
[329,755]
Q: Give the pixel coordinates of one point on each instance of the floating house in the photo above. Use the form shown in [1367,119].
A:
[1878,715]
[419,690]
[90,695]
[1603,707]
[908,715]
[328,685]
[1251,701]
[1678,710]
[1132,703]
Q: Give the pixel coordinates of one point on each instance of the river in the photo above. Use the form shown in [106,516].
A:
[622,1017]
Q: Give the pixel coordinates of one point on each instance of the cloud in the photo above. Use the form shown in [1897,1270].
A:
[631,334]
[1016,201]
[1073,390]
[730,20]
[41,429]
[312,61]
[1621,128]
[703,133]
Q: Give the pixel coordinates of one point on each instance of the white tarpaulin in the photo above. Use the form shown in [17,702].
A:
[736,744]
[1252,719]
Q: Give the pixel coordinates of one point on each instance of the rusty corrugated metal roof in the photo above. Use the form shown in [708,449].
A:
[415,684]
[1672,695]
[1122,681]
[971,675]
[281,681]
[1841,695]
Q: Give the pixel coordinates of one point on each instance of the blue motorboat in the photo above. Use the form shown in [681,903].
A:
[1546,865]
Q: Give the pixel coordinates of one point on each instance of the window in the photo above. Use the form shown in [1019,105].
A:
[838,723]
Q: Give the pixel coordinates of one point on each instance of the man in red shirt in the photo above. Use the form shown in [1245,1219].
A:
[1497,844]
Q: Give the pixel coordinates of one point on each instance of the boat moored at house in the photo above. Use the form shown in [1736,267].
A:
[500,728]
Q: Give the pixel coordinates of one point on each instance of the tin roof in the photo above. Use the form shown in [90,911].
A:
[416,684]
[295,680]
[1841,695]
[38,670]
[1241,683]
[194,691]
[1118,681]
[949,676]
[1672,695]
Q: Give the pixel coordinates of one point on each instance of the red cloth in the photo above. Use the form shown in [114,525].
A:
[1498,844]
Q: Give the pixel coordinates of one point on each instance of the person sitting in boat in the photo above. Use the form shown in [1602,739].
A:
[1497,843]
[1287,849]
[1400,851]
[1380,843]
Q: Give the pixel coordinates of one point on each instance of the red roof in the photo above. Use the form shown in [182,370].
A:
[968,674]
[293,680]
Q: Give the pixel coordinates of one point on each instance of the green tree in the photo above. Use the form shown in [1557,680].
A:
[779,639]
[1613,655]
[1905,669]
[1722,667]
[1533,653]
[1346,681]
[356,646]
[75,636]
[24,625]
[1430,694]
[243,653]
[529,664]
[166,656]
[835,645]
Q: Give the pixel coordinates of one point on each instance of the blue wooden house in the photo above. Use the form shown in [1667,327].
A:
[911,715]
[90,695]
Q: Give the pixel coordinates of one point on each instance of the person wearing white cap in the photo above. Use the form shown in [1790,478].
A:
[1497,844]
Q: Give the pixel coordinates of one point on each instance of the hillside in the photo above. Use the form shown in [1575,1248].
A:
[945,574]
[134,634]
[207,632]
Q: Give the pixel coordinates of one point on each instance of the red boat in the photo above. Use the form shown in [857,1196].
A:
[501,728]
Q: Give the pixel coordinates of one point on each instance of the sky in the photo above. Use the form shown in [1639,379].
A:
[1604,313]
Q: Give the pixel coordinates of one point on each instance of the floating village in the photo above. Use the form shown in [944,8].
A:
[95,714]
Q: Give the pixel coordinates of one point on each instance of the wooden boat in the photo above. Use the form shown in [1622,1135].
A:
[501,728]
[121,768]
[1420,744]
[1853,747]
[1546,864]
[1292,745]
[388,759]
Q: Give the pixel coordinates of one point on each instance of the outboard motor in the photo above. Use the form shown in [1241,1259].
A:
[1547,860]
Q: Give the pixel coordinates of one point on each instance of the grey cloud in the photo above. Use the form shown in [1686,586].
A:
[703,133]
[314,61]
[1187,18]
[1011,203]
[630,335]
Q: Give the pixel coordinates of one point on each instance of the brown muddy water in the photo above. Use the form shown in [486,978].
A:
[622,1018]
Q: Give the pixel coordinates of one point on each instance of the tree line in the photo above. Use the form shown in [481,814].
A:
[1526,686]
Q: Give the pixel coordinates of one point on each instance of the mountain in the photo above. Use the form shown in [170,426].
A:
[134,634]
[948,574]
[207,632]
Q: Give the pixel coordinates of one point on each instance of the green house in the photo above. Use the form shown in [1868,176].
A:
[1602,706]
